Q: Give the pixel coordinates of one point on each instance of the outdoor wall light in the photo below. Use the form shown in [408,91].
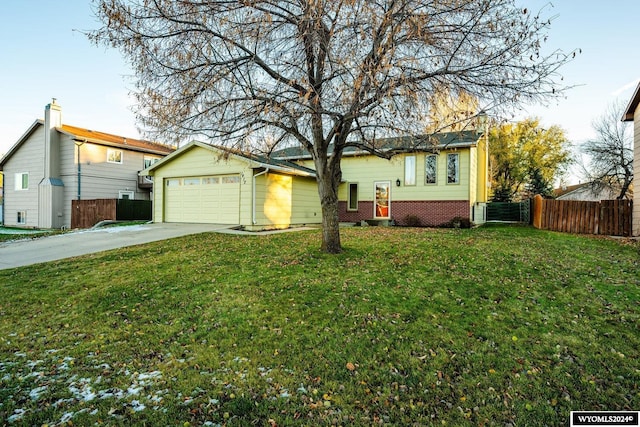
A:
[398,182]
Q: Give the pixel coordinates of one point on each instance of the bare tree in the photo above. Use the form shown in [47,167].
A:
[324,74]
[610,154]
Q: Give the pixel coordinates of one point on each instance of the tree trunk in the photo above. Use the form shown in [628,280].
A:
[328,192]
[625,186]
[328,176]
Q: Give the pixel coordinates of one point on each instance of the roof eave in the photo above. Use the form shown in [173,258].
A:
[283,169]
[254,163]
[465,144]
[629,112]
[98,141]
[149,171]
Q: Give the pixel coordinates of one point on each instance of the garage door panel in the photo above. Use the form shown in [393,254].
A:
[206,199]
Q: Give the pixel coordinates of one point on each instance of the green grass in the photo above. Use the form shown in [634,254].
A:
[8,233]
[491,326]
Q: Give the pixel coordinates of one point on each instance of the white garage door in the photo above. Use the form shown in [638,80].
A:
[202,199]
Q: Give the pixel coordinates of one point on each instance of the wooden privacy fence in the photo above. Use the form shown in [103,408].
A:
[606,217]
[87,213]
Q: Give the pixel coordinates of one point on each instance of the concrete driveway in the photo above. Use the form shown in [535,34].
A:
[51,248]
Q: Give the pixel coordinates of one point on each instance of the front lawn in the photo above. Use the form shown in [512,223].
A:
[491,326]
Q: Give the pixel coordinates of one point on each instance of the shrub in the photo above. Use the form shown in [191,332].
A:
[412,221]
[458,222]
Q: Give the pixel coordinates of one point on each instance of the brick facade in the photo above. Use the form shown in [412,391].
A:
[430,213]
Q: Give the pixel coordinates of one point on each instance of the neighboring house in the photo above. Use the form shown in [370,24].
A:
[204,183]
[1,196]
[54,163]
[201,183]
[446,177]
[632,113]
[587,191]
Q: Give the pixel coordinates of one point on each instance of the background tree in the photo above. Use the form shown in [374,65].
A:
[451,111]
[610,153]
[324,74]
[526,159]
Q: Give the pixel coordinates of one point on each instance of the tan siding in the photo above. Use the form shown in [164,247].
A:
[276,206]
[29,158]
[306,202]
[283,201]
[69,175]
[98,178]
[260,198]
[473,175]
[103,180]
[636,173]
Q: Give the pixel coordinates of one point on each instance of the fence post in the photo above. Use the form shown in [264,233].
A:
[537,211]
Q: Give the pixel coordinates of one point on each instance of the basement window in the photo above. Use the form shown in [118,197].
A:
[21,217]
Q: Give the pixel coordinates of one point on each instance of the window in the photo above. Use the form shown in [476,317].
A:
[453,168]
[431,169]
[22,181]
[410,170]
[209,180]
[175,182]
[191,181]
[149,161]
[114,156]
[352,203]
[126,194]
[231,179]
[22,217]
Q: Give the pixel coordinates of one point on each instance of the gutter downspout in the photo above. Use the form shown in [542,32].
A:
[253,198]
[78,145]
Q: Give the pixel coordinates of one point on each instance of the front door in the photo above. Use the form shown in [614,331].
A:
[382,204]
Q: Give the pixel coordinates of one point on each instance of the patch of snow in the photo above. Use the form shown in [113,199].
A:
[149,375]
[134,391]
[37,392]
[18,414]
[285,394]
[61,402]
[82,390]
[112,230]
[66,417]
[111,393]
[137,406]
[33,363]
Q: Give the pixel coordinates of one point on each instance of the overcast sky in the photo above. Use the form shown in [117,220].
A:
[44,56]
